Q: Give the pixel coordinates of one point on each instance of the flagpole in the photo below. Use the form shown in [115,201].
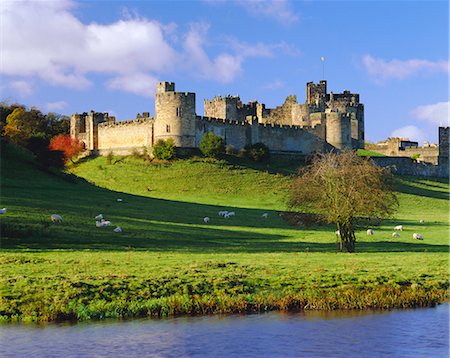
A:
[323,67]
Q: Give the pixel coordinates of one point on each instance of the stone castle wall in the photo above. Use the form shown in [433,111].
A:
[122,137]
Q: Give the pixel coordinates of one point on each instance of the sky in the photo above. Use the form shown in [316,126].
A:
[76,56]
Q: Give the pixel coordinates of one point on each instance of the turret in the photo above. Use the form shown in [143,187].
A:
[174,115]
[338,129]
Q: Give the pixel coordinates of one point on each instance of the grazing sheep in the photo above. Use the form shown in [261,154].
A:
[118,229]
[369,232]
[119,200]
[338,233]
[395,234]
[398,228]
[56,218]
[102,223]
[3,211]
[421,221]
[99,217]
[231,213]
[223,213]
[206,219]
[227,216]
[265,216]
[417,236]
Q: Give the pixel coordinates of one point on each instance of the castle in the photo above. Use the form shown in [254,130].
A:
[326,121]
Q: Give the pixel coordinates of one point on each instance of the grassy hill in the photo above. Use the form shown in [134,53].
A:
[168,261]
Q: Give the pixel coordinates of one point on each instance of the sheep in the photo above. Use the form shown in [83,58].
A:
[118,229]
[3,211]
[56,218]
[102,223]
[398,228]
[99,217]
[223,213]
[206,219]
[369,232]
[119,200]
[395,234]
[338,233]
[421,221]
[265,216]
[231,213]
[417,236]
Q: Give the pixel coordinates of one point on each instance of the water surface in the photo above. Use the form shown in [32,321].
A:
[399,333]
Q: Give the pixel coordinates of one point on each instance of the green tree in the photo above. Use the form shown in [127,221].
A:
[212,145]
[164,149]
[344,187]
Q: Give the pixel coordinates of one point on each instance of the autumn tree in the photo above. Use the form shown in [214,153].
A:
[344,187]
[71,147]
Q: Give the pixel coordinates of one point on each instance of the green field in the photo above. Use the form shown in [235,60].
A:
[168,261]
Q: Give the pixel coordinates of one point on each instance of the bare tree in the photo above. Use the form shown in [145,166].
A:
[344,187]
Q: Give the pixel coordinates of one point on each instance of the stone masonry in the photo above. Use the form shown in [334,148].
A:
[324,122]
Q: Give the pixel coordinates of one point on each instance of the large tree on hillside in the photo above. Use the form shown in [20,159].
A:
[344,187]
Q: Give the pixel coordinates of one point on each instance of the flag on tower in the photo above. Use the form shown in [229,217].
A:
[322,58]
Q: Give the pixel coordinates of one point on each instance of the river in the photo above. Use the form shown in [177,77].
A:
[398,333]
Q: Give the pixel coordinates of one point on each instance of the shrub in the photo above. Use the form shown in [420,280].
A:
[242,153]
[230,150]
[71,147]
[258,152]
[212,145]
[164,149]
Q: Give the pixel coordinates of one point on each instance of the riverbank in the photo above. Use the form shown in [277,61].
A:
[168,261]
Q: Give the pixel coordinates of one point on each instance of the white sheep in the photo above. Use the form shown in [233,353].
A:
[99,217]
[265,216]
[119,200]
[338,233]
[118,229]
[395,234]
[102,223]
[369,232]
[398,228]
[417,236]
[231,213]
[3,211]
[421,221]
[206,219]
[227,216]
[223,213]
[56,218]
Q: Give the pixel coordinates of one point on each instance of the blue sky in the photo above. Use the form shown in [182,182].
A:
[74,56]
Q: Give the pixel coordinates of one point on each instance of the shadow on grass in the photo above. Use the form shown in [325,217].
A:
[149,223]
[427,187]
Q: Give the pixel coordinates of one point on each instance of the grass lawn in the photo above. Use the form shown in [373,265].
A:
[168,261]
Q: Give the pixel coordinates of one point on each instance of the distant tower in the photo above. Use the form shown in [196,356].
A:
[316,94]
[443,157]
[174,115]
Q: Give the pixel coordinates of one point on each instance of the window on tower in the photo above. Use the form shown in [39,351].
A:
[168,128]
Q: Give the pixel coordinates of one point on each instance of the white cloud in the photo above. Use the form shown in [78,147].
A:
[56,106]
[137,83]
[53,45]
[279,10]
[23,88]
[224,67]
[437,113]
[381,70]
[410,132]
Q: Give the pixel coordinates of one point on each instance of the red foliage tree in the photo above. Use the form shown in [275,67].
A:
[71,147]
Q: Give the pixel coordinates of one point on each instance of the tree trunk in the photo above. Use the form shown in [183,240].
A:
[348,237]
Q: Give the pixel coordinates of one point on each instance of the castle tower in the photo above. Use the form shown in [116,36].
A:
[174,115]
[316,94]
[338,130]
[443,158]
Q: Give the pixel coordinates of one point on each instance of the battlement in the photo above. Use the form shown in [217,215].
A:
[139,120]
[163,87]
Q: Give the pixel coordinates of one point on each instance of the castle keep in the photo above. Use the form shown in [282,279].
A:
[325,121]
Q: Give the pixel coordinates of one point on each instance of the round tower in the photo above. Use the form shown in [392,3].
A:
[338,130]
[174,115]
